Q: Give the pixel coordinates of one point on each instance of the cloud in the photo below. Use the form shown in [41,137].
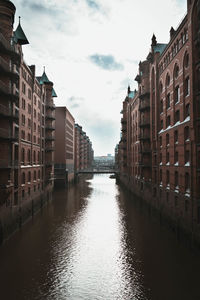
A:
[75,102]
[93,4]
[106,62]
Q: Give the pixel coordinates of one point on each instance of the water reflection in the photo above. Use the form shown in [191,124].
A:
[94,242]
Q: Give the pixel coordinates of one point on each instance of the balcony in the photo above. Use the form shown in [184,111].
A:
[8,92]
[5,69]
[50,105]
[6,135]
[144,136]
[50,116]
[49,149]
[50,127]
[123,121]
[50,138]
[144,123]
[7,112]
[7,48]
[144,105]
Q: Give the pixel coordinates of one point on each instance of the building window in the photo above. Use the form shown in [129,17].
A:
[187,86]
[176,179]
[34,113]
[187,157]
[23,104]
[161,124]
[168,101]
[167,177]
[177,116]
[38,174]
[161,106]
[35,100]
[176,71]
[168,121]
[160,176]
[160,139]
[29,176]
[23,88]
[167,158]
[23,119]
[29,123]
[167,139]
[29,108]
[177,94]
[176,136]
[161,87]
[29,137]
[176,157]
[23,178]
[29,94]
[34,126]
[38,157]
[34,175]
[186,133]
[168,80]
[22,155]
[186,62]
[23,135]
[34,157]
[29,156]
[187,110]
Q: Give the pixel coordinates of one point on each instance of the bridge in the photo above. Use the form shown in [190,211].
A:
[97,171]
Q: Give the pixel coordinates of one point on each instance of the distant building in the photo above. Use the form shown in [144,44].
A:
[64,146]
[84,153]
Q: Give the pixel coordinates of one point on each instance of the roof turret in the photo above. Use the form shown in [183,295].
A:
[19,35]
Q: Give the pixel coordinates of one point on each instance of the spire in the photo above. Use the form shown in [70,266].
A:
[19,35]
[153,41]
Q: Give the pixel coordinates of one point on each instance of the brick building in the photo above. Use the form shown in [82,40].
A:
[84,153]
[64,146]
[26,170]
[162,130]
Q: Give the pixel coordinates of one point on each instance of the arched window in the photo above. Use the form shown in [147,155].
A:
[38,156]
[167,80]
[38,174]
[176,179]
[34,175]
[176,71]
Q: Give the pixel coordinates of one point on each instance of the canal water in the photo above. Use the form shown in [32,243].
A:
[95,242]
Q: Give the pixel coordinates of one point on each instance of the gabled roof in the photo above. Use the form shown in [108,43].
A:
[19,35]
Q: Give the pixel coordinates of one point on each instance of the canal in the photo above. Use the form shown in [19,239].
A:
[94,242]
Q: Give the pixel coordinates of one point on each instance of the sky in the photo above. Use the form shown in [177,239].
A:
[91,50]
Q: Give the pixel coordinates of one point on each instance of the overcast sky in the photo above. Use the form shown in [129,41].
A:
[91,50]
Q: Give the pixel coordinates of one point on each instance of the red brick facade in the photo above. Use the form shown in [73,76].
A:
[159,152]
[26,127]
